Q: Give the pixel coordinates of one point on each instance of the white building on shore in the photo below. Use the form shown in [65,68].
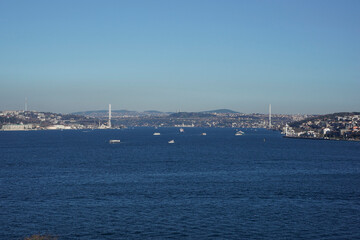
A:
[17,127]
[58,127]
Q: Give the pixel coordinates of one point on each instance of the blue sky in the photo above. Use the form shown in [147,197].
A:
[67,56]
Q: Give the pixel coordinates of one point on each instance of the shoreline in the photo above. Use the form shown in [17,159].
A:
[326,139]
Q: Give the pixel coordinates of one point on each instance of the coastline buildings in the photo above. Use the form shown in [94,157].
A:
[17,127]
[51,121]
[31,120]
[345,126]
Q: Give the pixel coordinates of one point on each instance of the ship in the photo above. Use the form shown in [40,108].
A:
[239,133]
[184,125]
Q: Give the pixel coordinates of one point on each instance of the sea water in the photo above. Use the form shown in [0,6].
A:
[73,184]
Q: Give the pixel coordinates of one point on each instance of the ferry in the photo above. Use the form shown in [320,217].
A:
[114,141]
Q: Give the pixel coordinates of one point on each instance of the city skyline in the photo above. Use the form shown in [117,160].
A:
[63,56]
[109,110]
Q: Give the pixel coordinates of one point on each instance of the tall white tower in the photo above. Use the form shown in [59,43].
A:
[269,116]
[25,104]
[109,124]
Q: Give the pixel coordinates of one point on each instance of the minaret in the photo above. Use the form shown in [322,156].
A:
[109,124]
[269,116]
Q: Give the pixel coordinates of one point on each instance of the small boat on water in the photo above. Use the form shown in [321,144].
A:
[156,134]
[114,141]
[181,130]
[171,141]
[203,134]
[239,133]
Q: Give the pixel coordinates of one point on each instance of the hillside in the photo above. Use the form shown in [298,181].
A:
[220,111]
[191,115]
[342,125]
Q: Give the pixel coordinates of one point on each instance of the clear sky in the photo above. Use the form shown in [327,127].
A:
[194,55]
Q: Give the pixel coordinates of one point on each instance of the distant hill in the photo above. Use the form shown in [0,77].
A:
[220,111]
[153,111]
[102,111]
[191,115]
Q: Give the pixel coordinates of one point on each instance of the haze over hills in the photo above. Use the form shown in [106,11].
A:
[123,112]
[98,112]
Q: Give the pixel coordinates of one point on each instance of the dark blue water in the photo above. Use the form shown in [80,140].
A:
[75,185]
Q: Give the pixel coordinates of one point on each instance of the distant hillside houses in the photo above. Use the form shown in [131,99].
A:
[227,118]
[31,120]
[332,126]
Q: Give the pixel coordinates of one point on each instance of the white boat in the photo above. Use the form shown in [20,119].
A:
[204,134]
[184,125]
[156,134]
[181,130]
[114,141]
[239,133]
[171,141]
